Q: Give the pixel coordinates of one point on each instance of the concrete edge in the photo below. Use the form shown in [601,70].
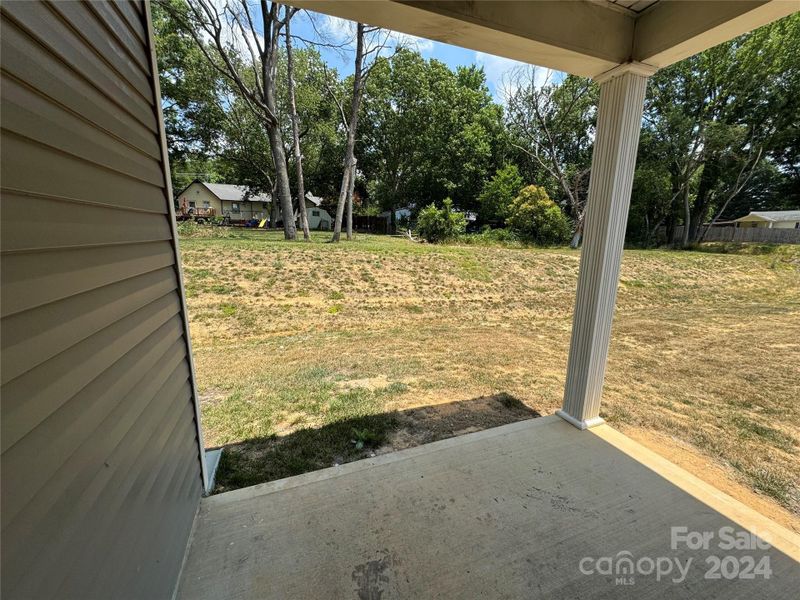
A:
[263,489]
[750,519]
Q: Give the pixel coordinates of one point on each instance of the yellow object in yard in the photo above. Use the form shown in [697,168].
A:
[262,223]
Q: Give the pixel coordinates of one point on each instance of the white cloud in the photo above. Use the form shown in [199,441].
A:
[339,30]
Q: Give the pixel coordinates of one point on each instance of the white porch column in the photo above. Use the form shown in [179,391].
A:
[619,119]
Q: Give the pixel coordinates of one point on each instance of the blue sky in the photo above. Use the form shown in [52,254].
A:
[339,30]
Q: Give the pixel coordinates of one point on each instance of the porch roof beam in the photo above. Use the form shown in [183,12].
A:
[672,31]
[585,38]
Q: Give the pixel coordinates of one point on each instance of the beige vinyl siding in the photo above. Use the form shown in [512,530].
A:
[247,210]
[200,194]
[101,472]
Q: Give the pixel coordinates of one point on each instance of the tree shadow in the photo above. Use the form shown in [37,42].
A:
[263,459]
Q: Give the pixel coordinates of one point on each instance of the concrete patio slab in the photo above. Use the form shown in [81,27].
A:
[535,509]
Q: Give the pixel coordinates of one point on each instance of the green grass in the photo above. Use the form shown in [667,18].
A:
[303,347]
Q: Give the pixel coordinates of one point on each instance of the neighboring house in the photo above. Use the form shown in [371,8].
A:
[774,219]
[234,201]
[318,217]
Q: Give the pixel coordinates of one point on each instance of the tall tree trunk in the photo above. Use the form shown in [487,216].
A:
[702,201]
[275,209]
[282,181]
[576,238]
[298,156]
[687,216]
[351,132]
[350,189]
[269,72]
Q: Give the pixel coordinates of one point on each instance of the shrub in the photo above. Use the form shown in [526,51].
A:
[439,225]
[491,237]
[498,194]
[537,219]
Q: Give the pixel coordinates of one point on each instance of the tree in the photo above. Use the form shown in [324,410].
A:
[552,123]
[498,194]
[720,115]
[351,126]
[428,133]
[298,155]
[370,41]
[227,36]
[536,218]
[651,196]
[190,92]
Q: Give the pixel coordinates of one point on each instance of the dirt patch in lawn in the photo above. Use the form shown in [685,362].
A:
[278,456]
[426,424]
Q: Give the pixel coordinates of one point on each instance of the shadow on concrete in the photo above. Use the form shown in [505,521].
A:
[263,459]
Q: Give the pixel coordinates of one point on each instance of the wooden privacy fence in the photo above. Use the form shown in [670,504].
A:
[748,234]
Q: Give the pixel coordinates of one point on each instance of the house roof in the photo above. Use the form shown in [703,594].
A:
[315,200]
[772,215]
[234,193]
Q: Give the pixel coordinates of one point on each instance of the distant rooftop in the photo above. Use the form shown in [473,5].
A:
[773,215]
[235,193]
[315,200]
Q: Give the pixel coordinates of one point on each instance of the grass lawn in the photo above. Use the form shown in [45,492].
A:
[312,354]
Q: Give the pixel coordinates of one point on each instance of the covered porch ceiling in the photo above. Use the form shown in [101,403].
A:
[582,37]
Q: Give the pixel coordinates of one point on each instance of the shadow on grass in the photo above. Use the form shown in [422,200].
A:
[274,457]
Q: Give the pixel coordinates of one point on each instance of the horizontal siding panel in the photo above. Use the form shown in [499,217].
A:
[94,493]
[57,35]
[124,36]
[106,46]
[31,280]
[31,398]
[23,170]
[100,504]
[180,517]
[29,61]
[37,118]
[101,462]
[160,490]
[33,223]
[133,17]
[100,533]
[111,404]
[34,336]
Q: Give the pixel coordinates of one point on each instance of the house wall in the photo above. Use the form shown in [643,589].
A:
[247,210]
[201,196]
[756,222]
[101,471]
[785,225]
